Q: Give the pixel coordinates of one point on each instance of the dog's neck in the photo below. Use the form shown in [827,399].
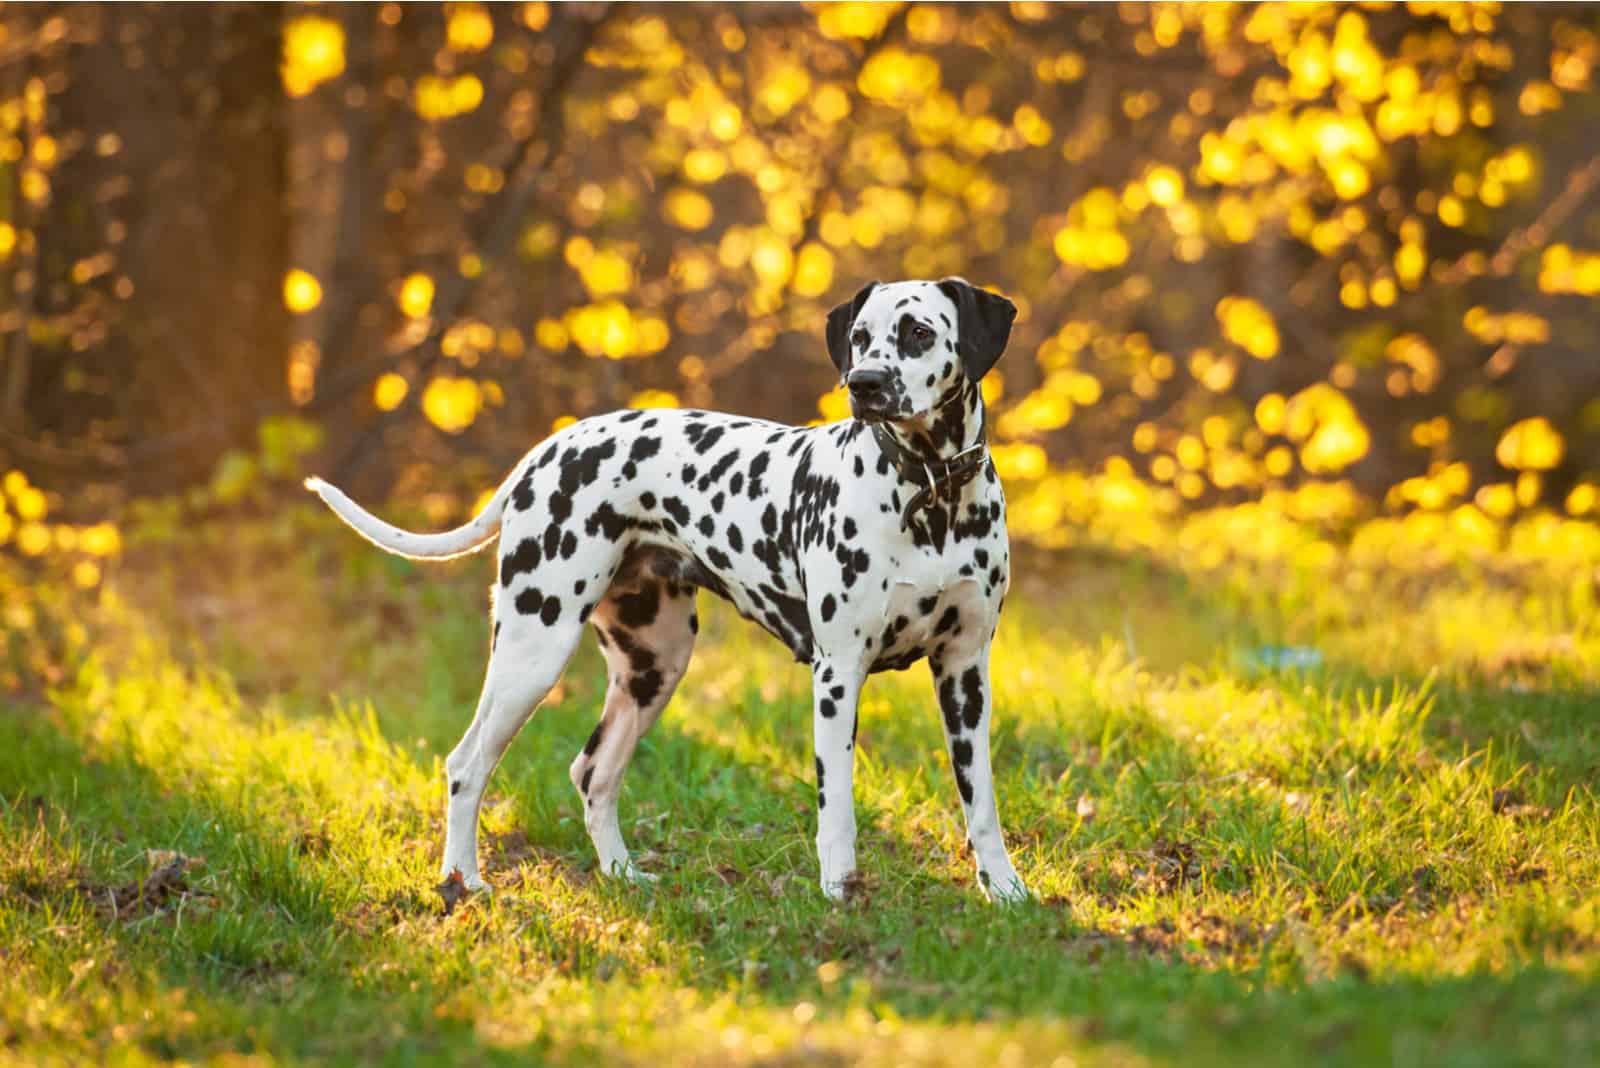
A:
[935,457]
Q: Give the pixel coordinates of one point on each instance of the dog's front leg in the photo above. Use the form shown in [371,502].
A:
[964,701]
[836,689]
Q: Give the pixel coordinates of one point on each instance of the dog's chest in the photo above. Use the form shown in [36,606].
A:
[932,602]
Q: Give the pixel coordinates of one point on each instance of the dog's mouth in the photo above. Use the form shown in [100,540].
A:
[875,409]
[868,413]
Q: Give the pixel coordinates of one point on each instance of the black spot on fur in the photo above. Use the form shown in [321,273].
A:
[530,602]
[964,784]
[949,704]
[645,687]
[606,520]
[639,608]
[972,692]
[594,739]
[828,607]
[525,557]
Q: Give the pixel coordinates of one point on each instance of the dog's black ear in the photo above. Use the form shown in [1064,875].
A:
[984,319]
[839,322]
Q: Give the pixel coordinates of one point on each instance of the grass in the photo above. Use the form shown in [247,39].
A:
[1388,856]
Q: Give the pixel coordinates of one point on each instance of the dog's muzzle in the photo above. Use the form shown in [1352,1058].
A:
[871,392]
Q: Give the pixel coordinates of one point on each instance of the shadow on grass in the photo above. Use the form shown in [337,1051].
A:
[279,945]
[730,823]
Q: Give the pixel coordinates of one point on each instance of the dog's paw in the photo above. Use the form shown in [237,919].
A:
[638,876]
[1004,889]
[852,887]
[627,871]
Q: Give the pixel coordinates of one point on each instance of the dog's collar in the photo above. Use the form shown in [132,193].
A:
[938,478]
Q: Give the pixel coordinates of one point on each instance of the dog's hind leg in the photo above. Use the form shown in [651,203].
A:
[646,626]
[528,657]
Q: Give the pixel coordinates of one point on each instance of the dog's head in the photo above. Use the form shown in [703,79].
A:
[904,348]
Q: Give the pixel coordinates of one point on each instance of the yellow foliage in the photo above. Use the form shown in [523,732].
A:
[389,390]
[1165,185]
[610,329]
[1583,499]
[1530,445]
[704,165]
[813,273]
[1563,269]
[1332,434]
[687,209]
[470,29]
[860,20]
[551,334]
[783,88]
[1248,325]
[86,574]
[1497,499]
[416,296]
[772,260]
[313,53]
[1414,352]
[898,77]
[834,405]
[1047,408]
[30,503]
[1019,460]
[653,398]
[101,539]
[301,291]
[606,273]
[444,98]
[33,539]
[451,403]
[830,103]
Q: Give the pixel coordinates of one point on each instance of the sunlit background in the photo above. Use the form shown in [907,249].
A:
[1337,262]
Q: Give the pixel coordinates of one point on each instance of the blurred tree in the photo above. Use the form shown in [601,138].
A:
[1348,251]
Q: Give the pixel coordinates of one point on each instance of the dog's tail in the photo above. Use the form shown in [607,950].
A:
[469,537]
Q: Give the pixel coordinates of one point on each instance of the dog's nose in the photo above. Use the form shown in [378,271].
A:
[868,384]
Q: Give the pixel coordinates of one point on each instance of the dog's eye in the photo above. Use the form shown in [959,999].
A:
[859,339]
[920,332]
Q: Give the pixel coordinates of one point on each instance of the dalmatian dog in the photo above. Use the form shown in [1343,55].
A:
[864,546]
